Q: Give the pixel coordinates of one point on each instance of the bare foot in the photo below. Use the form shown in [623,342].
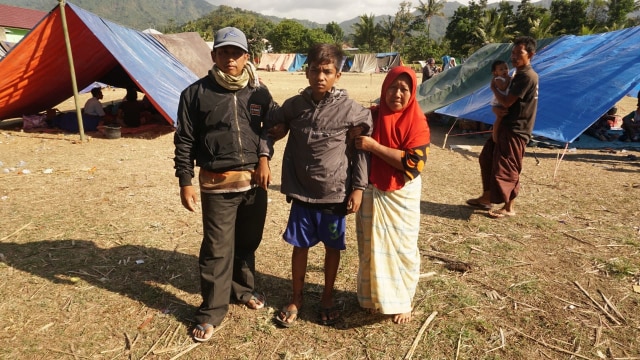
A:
[402,318]
[501,213]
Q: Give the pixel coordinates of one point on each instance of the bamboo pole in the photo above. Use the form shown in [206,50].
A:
[72,70]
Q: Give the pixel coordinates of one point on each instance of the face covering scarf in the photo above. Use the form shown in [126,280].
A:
[248,76]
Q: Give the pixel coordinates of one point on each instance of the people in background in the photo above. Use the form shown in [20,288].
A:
[600,128]
[448,62]
[93,106]
[429,70]
[446,59]
[631,124]
[501,156]
[130,110]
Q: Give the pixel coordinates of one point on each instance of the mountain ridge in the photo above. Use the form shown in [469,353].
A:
[143,14]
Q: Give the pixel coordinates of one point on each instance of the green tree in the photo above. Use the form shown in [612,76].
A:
[402,24]
[568,16]
[526,15]
[288,37]
[492,29]
[619,10]
[254,25]
[335,31]
[365,34]
[418,47]
[428,10]
[387,31]
[315,36]
[542,27]
[462,29]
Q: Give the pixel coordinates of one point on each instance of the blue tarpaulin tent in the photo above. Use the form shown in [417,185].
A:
[298,61]
[581,77]
[36,76]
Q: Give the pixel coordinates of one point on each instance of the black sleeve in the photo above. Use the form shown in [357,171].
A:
[184,141]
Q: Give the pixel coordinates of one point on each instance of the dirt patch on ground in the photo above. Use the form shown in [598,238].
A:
[99,259]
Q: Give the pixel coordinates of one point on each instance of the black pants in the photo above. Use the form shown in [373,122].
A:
[232,227]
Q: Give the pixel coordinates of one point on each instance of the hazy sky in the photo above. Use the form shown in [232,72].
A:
[320,11]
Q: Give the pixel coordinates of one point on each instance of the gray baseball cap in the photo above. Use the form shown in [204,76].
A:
[230,36]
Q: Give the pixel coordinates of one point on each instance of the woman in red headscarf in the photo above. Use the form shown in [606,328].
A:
[388,222]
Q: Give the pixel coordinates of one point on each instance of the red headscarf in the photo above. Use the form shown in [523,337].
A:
[405,129]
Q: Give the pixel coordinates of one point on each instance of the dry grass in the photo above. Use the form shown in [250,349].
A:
[100,259]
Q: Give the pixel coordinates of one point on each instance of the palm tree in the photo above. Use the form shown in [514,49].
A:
[428,10]
[492,28]
[542,27]
[387,28]
[365,32]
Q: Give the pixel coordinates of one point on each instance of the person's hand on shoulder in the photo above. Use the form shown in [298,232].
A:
[278,131]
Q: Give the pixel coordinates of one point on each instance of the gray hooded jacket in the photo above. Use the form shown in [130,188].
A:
[320,165]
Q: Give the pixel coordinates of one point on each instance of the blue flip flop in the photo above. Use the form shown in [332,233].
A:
[204,330]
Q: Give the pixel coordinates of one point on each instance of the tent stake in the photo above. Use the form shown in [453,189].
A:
[446,136]
[71,69]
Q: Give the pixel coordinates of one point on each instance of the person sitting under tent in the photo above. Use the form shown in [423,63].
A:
[93,108]
[600,128]
[131,111]
[631,124]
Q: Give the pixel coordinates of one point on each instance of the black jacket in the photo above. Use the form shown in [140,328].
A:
[218,128]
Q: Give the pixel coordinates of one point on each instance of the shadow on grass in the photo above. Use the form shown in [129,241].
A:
[147,131]
[448,211]
[137,272]
[142,274]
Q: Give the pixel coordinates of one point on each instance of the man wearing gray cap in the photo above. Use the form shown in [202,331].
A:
[220,120]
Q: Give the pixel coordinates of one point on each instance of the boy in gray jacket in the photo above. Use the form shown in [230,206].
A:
[323,175]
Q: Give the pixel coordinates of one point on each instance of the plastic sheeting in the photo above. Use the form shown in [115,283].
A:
[298,62]
[373,63]
[190,49]
[279,62]
[36,72]
[364,63]
[457,82]
[581,77]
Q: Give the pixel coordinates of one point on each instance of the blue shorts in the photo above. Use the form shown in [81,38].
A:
[308,226]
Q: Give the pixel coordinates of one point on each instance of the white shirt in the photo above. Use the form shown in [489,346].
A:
[494,101]
[93,107]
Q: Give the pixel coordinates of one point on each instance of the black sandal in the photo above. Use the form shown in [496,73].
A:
[324,313]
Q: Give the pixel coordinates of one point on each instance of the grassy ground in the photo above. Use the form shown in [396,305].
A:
[99,259]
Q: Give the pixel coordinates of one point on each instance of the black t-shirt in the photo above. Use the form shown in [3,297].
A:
[522,114]
[131,112]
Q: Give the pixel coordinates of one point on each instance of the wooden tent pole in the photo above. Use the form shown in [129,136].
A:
[72,70]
